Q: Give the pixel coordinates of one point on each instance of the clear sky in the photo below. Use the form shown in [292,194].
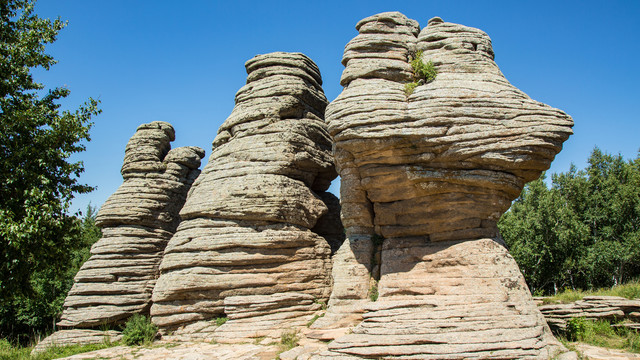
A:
[182,62]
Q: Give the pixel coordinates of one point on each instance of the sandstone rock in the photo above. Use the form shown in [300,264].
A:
[137,222]
[591,307]
[183,351]
[255,241]
[425,177]
[77,336]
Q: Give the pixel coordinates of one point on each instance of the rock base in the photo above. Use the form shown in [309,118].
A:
[448,300]
[77,337]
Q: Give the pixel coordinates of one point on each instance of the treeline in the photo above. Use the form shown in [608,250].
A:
[582,232]
[28,314]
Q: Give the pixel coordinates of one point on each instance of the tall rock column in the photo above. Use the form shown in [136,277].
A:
[250,247]
[137,221]
[426,173]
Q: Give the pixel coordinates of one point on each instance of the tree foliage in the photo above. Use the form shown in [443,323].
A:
[25,315]
[37,178]
[582,232]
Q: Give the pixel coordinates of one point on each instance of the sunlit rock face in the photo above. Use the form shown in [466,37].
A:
[137,221]
[254,244]
[425,177]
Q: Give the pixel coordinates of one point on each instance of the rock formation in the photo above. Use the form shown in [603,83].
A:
[137,221]
[251,246]
[593,308]
[426,174]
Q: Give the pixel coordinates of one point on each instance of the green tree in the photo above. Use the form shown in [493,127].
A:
[583,232]
[37,178]
[26,315]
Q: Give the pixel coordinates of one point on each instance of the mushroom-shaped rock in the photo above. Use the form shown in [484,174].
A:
[427,170]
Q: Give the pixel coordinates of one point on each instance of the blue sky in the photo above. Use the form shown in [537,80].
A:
[183,62]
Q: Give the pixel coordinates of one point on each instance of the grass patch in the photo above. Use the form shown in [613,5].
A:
[221,320]
[409,87]
[259,339]
[315,317]
[139,330]
[630,290]
[601,333]
[289,340]
[322,303]
[10,352]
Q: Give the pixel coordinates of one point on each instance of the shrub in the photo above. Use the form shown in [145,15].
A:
[373,292]
[576,328]
[139,330]
[421,71]
[221,320]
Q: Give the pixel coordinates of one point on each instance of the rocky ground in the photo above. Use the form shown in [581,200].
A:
[202,350]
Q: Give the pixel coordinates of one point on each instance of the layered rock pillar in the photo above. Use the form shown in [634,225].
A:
[254,244]
[426,174]
[137,221]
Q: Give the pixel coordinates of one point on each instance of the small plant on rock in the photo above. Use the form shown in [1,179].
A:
[221,320]
[139,330]
[576,328]
[373,292]
[289,340]
[422,72]
[315,317]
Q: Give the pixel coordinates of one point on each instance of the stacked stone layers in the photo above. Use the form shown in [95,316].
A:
[423,173]
[446,160]
[448,300]
[593,308]
[137,221]
[248,247]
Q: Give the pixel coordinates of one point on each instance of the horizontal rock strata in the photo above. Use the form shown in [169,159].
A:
[255,242]
[426,172]
[137,221]
[593,308]
[447,300]
[77,337]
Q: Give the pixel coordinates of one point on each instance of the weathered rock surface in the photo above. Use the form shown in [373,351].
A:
[77,336]
[590,352]
[137,221]
[425,177]
[255,241]
[184,351]
[594,308]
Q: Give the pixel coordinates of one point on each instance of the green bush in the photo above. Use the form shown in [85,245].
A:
[139,330]
[601,333]
[221,320]
[576,328]
[373,292]
[422,73]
